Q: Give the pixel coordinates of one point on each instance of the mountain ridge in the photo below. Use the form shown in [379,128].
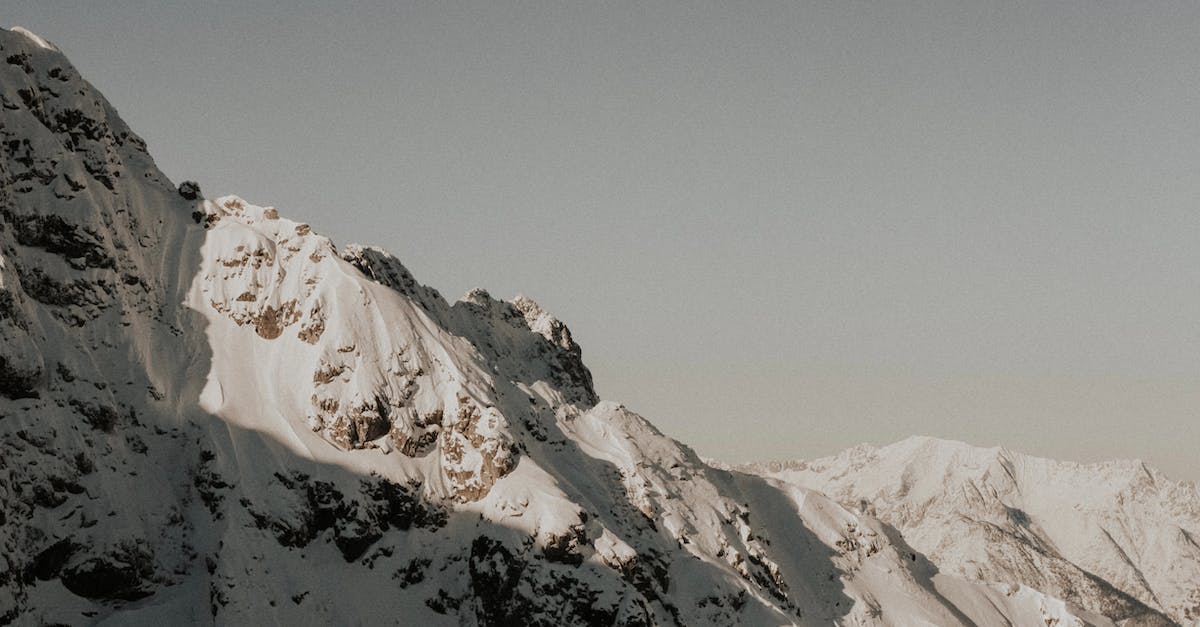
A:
[914,440]
[1121,529]
[211,414]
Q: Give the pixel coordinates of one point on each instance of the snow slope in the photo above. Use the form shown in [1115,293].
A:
[210,414]
[1117,538]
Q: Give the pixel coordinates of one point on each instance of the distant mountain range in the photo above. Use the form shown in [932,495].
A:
[1116,538]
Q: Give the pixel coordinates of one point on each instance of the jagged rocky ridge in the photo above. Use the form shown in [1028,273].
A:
[209,414]
[1117,538]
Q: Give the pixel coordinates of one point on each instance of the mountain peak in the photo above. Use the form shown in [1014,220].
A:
[210,414]
[938,442]
[1113,537]
[36,39]
[950,451]
[922,447]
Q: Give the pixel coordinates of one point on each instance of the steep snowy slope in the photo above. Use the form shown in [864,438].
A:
[209,414]
[1117,538]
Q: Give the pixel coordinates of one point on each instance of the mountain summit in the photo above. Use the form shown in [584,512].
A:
[210,414]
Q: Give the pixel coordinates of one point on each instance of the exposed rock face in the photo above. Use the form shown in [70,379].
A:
[566,354]
[208,415]
[86,223]
[521,336]
[477,451]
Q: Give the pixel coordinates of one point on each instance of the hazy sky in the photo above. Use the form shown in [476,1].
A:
[777,229]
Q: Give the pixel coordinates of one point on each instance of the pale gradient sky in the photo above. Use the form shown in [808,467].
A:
[777,229]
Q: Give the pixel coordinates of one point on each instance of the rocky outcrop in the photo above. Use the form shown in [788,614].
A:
[476,451]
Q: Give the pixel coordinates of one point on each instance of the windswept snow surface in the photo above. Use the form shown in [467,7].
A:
[1116,538]
[210,414]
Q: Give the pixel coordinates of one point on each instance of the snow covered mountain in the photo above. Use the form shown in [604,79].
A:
[1117,538]
[210,414]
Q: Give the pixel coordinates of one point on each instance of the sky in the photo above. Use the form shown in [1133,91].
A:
[776,229]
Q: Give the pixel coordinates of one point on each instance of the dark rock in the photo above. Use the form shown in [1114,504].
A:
[84,464]
[50,561]
[48,497]
[100,417]
[355,538]
[402,507]
[564,549]
[413,573]
[123,574]
[49,290]
[78,125]
[494,572]
[55,235]
[17,382]
[189,190]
